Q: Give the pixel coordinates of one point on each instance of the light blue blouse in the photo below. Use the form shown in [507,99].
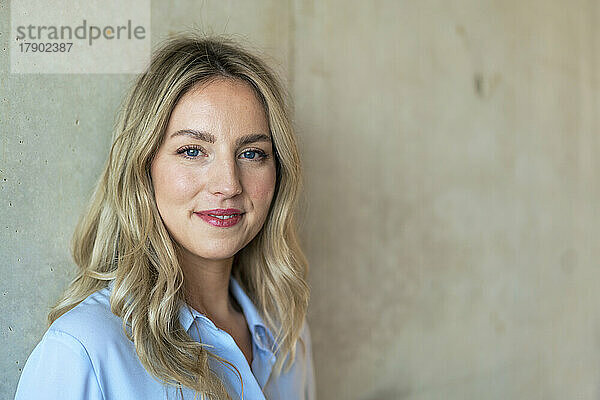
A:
[86,355]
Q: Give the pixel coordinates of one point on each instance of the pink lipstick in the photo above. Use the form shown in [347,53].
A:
[222,218]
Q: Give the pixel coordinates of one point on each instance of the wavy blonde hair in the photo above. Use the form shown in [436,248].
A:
[121,236]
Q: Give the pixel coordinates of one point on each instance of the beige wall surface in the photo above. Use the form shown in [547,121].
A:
[451,157]
[451,188]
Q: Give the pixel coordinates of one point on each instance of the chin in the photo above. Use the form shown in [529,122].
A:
[215,254]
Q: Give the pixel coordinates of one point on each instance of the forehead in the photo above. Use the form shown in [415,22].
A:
[220,106]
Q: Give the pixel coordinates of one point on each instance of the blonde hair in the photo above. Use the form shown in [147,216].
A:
[121,236]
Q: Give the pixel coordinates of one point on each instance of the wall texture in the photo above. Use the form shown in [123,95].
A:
[451,184]
[451,152]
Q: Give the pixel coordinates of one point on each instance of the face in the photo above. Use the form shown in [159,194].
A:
[214,175]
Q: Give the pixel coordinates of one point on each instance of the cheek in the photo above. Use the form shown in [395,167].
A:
[261,188]
[172,184]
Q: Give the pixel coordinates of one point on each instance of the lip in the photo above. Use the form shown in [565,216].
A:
[221,211]
[221,223]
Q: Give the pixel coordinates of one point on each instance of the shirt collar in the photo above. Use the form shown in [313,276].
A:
[253,318]
[261,335]
[185,317]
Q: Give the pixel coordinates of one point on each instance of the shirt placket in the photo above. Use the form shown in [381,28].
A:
[223,345]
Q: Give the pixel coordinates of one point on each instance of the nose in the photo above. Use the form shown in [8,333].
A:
[224,179]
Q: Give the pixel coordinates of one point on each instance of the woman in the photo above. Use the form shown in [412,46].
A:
[191,282]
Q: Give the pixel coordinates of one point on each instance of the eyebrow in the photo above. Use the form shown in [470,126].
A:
[210,138]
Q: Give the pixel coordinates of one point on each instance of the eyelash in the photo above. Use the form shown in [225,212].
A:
[261,154]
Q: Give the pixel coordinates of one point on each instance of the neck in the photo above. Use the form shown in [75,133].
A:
[206,287]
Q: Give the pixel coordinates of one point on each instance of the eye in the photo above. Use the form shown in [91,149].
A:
[190,152]
[254,155]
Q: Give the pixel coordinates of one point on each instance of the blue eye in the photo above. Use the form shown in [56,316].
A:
[250,154]
[192,152]
[254,155]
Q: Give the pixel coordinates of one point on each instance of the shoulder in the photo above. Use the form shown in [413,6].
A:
[305,337]
[92,325]
[296,380]
[87,351]
[309,388]
[303,355]
[91,322]
[65,363]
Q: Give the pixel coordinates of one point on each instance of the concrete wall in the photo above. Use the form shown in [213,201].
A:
[450,151]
